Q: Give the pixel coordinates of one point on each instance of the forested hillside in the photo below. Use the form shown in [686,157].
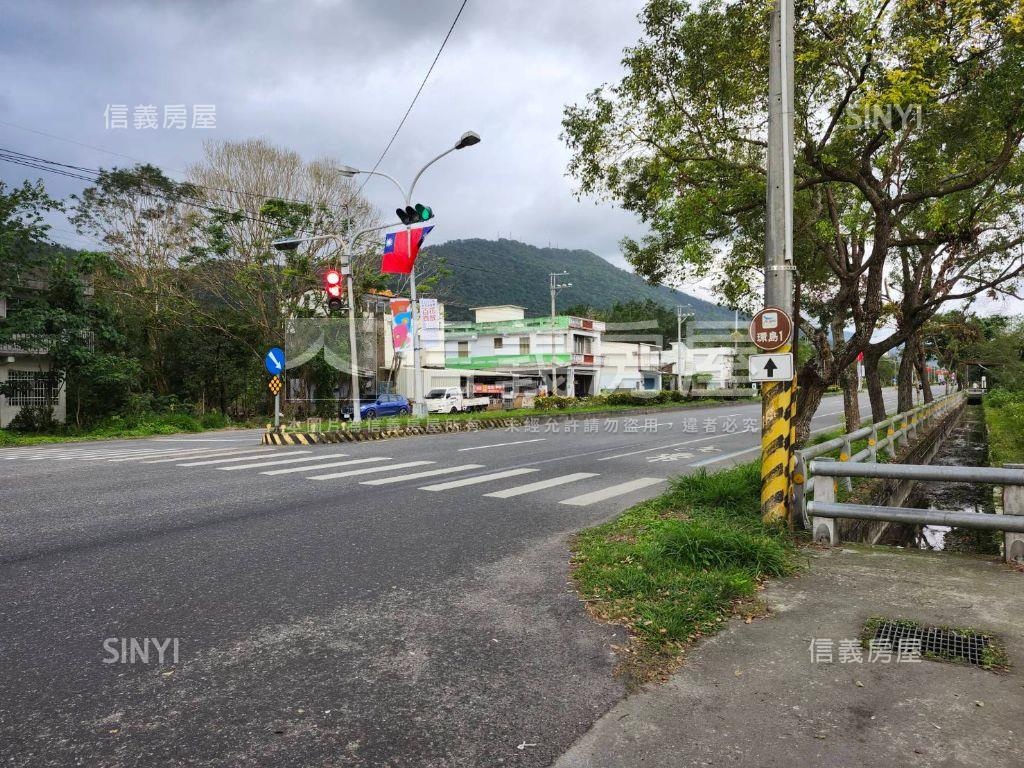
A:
[482,272]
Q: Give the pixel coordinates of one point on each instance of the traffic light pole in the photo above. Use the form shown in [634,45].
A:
[777,403]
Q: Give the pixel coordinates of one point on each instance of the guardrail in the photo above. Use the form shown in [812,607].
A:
[891,435]
[824,509]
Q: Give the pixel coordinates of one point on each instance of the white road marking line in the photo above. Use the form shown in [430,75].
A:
[207,462]
[476,479]
[659,448]
[328,465]
[418,475]
[202,440]
[284,461]
[178,455]
[501,445]
[714,459]
[369,470]
[612,491]
[519,490]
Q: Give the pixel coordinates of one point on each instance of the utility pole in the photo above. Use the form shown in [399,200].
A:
[777,398]
[555,287]
[679,345]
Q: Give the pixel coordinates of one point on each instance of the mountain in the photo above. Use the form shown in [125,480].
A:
[484,272]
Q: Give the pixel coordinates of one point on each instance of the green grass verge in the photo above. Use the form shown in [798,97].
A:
[518,413]
[672,569]
[1004,418]
[146,425]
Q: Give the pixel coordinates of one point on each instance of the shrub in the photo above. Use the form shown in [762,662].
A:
[34,419]
[214,420]
[554,402]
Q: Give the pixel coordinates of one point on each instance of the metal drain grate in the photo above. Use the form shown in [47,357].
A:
[935,641]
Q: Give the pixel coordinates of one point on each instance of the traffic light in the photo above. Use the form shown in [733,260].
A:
[332,284]
[417,215]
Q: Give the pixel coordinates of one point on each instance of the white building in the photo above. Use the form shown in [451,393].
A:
[562,354]
[712,365]
[27,374]
[631,365]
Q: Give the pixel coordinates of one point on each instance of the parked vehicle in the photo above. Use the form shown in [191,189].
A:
[453,400]
[384,405]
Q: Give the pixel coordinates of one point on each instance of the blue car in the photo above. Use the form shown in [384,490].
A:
[384,405]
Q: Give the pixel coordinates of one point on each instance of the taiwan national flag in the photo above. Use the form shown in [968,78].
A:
[400,250]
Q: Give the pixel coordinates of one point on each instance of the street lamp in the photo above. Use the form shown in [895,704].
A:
[554,287]
[468,139]
[347,246]
[680,313]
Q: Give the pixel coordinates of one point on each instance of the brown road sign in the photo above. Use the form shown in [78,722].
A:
[771,328]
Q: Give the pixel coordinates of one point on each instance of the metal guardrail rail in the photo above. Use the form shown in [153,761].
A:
[890,435]
[824,510]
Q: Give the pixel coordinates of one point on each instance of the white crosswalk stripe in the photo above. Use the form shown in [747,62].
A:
[370,470]
[275,462]
[328,465]
[476,479]
[163,458]
[208,462]
[612,491]
[540,485]
[419,475]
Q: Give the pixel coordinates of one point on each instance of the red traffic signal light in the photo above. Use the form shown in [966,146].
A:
[333,286]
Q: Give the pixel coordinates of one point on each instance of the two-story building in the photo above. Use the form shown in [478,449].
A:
[562,354]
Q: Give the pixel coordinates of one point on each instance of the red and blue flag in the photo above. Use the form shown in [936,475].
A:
[401,249]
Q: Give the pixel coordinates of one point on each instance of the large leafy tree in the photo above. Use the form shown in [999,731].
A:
[909,120]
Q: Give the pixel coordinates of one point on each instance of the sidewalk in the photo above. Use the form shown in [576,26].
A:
[753,696]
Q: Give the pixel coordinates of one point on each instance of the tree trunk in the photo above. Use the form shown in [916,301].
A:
[905,379]
[875,392]
[851,405]
[808,398]
[921,364]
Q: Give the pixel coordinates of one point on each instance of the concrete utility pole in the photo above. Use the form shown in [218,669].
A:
[555,287]
[679,345]
[777,398]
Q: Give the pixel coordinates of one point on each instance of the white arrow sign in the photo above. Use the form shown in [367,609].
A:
[778,367]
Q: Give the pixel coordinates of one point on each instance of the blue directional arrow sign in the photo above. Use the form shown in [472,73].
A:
[274,361]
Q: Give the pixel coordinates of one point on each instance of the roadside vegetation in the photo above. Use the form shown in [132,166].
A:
[1004,417]
[674,568]
[34,426]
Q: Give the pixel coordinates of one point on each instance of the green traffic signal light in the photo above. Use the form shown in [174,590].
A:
[423,212]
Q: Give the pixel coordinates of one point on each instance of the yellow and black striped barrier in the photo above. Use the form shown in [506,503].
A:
[778,434]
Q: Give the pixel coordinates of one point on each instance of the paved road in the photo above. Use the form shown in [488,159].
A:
[393,603]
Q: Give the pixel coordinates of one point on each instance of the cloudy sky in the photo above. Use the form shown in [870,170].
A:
[330,79]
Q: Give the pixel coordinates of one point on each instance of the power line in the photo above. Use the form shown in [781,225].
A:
[419,90]
[50,166]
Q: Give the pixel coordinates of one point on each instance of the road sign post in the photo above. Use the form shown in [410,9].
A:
[274,363]
[772,330]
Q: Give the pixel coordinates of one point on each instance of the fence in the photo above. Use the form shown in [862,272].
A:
[818,475]
[891,435]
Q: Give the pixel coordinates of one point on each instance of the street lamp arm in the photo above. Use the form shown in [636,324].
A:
[390,178]
[412,187]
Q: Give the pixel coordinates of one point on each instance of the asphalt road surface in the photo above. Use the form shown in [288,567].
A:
[204,600]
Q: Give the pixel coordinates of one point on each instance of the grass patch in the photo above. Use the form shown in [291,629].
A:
[673,568]
[1004,417]
[119,427]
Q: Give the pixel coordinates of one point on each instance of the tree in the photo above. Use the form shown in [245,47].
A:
[908,127]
